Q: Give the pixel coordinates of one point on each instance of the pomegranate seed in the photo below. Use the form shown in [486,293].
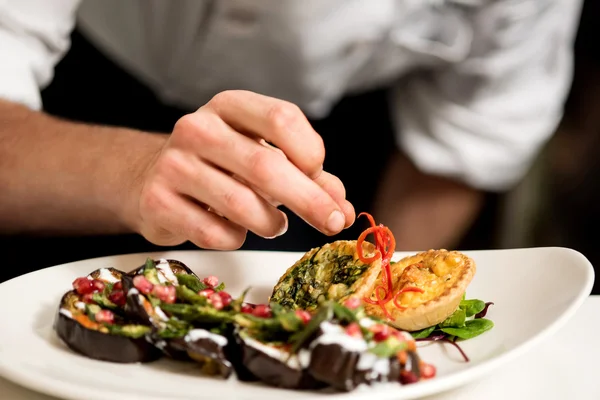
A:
[211,281]
[216,301]
[88,298]
[105,316]
[381,332]
[118,286]
[165,293]
[352,303]
[427,370]
[117,297]
[226,298]
[354,330]
[303,315]
[98,285]
[142,284]
[262,311]
[247,308]
[83,285]
[206,292]
[407,377]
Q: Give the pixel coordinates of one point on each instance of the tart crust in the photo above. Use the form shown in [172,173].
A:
[319,265]
[442,275]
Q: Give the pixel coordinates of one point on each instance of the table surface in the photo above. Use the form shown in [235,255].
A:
[563,366]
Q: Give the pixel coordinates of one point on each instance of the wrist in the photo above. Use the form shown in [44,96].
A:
[138,152]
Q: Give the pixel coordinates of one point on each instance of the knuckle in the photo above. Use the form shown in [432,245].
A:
[152,201]
[196,130]
[282,116]
[222,99]
[213,236]
[315,158]
[171,165]
[261,165]
[237,202]
[204,236]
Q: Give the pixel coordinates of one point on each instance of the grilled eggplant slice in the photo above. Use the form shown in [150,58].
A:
[167,270]
[147,285]
[344,358]
[234,353]
[208,349]
[120,341]
[274,365]
[331,272]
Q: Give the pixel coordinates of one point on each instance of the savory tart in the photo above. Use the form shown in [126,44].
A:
[427,287]
[334,271]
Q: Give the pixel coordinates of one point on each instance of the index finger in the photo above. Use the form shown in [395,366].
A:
[277,121]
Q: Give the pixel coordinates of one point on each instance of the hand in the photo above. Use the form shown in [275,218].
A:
[216,177]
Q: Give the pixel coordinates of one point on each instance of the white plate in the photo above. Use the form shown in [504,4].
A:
[535,291]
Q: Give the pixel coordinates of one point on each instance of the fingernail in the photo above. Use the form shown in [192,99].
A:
[335,222]
[283,229]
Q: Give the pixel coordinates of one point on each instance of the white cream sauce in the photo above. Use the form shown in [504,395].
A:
[197,334]
[335,334]
[165,273]
[66,313]
[276,354]
[106,276]
[161,314]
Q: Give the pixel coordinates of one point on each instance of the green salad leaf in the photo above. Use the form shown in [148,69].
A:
[472,328]
[464,323]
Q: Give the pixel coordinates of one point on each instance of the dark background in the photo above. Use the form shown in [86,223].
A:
[566,182]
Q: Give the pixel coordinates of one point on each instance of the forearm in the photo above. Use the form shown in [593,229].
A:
[424,211]
[63,177]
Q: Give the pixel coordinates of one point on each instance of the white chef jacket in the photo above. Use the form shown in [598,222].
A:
[477,86]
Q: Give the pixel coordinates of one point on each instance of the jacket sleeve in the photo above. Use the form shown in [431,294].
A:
[482,120]
[34,35]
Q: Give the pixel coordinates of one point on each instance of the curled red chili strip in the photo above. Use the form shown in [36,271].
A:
[359,248]
[385,245]
[382,298]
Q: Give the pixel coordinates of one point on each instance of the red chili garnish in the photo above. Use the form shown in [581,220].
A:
[385,245]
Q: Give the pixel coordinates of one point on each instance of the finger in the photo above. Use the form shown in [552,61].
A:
[232,199]
[334,186]
[183,218]
[262,168]
[279,122]
[265,196]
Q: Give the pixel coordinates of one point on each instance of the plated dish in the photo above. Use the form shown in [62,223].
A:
[342,316]
[33,355]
